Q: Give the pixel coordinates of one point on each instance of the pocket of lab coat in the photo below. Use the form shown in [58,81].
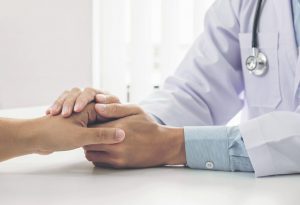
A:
[262,91]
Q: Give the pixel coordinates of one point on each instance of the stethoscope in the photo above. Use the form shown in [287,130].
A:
[257,63]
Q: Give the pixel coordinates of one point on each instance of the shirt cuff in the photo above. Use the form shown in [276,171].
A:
[207,148]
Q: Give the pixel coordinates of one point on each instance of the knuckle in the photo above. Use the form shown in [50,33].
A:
[66,92]
[73,96]
[90,90]
[103,135]
[139,109]
[64,95]
[113,108]
[76,89]
[59,102]
[70,99]
[90,93]
[82,99]
[114,99]
[105,92]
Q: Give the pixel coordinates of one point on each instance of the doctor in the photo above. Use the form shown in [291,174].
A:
[247,58]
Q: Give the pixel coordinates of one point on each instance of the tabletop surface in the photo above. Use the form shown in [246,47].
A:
[67,178]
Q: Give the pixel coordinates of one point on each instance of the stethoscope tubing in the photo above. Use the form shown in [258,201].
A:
[255,24]
[257,63]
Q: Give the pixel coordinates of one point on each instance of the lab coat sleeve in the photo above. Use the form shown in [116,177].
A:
[273,143]
[205,88]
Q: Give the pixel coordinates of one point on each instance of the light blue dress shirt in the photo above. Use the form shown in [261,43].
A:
[216,148]
[220,147]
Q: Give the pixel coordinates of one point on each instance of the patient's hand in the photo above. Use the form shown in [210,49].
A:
[54,133]
[76,100]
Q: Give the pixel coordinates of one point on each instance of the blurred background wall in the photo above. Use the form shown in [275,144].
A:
[45,47]
[127,47]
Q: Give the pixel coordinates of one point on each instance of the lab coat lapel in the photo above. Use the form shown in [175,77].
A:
[284,14]
[286,28]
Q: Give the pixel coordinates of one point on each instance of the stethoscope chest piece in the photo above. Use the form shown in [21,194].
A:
[257,64]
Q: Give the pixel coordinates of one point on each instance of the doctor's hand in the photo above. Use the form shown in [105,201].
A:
[55,133]
[147,143]
[76,100]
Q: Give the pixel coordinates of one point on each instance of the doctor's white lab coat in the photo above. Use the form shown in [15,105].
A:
[212,84]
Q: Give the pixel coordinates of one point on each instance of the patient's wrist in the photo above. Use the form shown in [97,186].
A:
[26,135]
[34,131]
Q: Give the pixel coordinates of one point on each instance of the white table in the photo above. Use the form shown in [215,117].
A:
[67,178]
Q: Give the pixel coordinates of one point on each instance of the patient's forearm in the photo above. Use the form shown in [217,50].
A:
[14,138]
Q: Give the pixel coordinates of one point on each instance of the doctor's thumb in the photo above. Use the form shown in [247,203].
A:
[103,136]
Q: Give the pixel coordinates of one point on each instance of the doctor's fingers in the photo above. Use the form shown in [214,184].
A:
[117,110]
[100,148]
[104,136]
[107,99]
[86,96]
[103,159]
[97,156]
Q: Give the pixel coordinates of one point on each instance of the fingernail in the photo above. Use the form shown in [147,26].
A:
[77,107]
[101,107]
[120,135]
[101,98]
[65,111]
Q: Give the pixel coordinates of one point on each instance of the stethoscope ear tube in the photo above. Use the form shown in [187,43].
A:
[255,25]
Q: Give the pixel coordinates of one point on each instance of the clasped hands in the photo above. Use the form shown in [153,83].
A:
[142,142]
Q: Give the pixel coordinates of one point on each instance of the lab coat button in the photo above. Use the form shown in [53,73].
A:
[209,165]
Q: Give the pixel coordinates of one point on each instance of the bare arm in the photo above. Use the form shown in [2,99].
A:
[15,139]
[53,133]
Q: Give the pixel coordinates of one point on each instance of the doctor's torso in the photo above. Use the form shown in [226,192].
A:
[279,88]
[212,83]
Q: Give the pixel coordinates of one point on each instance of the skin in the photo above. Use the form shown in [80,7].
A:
[147,143]
[54,133]
[76,100]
